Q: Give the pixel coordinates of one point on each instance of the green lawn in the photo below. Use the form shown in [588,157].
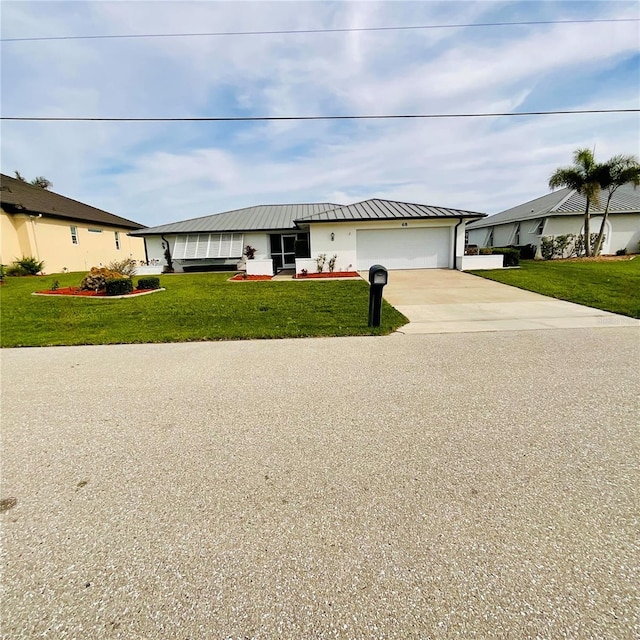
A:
[193,307]
[607,285]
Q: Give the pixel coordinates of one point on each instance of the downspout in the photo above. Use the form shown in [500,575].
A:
[455,242]
[35,236]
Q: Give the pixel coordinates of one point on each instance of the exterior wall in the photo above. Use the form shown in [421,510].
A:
[344,238]
[49,239]
[622,232]
[155,252]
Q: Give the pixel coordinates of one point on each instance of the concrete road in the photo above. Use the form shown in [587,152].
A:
[413,486]
[449,301]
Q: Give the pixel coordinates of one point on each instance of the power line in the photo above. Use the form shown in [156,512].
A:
[302,118]
[303,31]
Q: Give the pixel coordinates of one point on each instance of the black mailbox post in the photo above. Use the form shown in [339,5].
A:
[378,277]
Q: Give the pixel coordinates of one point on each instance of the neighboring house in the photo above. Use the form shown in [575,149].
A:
[562,212]
[64,233]
[398,235]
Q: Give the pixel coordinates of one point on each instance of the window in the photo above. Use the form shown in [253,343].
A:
[208,245]
[94,230]
[74,234]
[516,235]
[538,227]
[117,235]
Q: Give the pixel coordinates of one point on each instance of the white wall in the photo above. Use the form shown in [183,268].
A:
[344,241]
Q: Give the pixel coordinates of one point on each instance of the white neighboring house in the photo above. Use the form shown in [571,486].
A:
[397,235]
[562,212]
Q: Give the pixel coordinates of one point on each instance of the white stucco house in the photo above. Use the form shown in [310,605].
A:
[562,212]
[397,235]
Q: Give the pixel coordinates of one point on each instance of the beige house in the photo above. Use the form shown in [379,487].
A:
[66,234]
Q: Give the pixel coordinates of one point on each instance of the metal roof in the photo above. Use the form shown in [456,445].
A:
[17,196]
[264,217]
[377,209]
[626,199]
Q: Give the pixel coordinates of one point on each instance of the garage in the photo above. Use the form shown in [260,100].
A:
[415,248]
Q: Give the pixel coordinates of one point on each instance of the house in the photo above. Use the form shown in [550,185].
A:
[562,212]
[64,233]
[398,235]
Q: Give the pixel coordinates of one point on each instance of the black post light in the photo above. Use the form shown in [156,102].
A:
[378,277]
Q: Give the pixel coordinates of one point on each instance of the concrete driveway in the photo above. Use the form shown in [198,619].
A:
[448,301]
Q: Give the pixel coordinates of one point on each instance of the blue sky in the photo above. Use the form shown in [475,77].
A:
[162,172]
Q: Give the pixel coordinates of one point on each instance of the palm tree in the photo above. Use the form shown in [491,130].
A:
[42,182]
[619,170]
[583,177]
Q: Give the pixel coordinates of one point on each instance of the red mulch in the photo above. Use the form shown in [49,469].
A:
[241,276]
[76,291]
[334,274]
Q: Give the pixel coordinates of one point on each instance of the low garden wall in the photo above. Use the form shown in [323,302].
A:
[467,263]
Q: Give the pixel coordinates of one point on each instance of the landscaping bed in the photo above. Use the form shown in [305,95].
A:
[81,293]
[333,274]
[243,277]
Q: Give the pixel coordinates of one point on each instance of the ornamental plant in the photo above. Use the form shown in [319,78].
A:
[96,279]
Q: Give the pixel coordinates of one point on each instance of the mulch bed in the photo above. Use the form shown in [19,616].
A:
[76,291]
[241,276]
[334,274]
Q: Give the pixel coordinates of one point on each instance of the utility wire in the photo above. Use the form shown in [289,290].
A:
[299,118]
[298,31]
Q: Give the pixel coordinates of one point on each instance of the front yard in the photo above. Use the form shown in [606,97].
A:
[608,285]
[194,307]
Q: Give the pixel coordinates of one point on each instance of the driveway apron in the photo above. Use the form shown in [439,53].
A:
[448,301]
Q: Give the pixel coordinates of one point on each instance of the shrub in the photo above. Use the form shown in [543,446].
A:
[96,279]
[320,262]
[149,283]
[119,286]
[486,251]
[15,270]
[621,252]
[527,251]
[332,262]
[546,247]
[250,252]
[126,267]
[511,256]
[25,266]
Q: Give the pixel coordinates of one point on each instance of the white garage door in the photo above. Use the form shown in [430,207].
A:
[404,248]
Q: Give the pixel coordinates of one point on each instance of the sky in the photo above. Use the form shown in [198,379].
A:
[155,173]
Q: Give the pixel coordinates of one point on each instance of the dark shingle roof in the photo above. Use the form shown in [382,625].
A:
[376,209]
[259,218]
[626,199]
[17,196]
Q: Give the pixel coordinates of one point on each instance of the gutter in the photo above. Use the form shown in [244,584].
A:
[455,241]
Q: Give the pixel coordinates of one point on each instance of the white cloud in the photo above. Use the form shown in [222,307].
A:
[154,173]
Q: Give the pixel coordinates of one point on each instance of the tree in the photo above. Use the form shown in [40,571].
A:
[584,176]
[619,170]
[39,181]
[42,182]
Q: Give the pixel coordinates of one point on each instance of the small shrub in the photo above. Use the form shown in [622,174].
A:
[332,262]
[486,251]
[149,283]
[250,252]
[118,286]
[126,267]
[15,270]
[546,247]
[621,252]
[2,273]
[511,256]
[55,286]
[303,273]
[96,279]
[527,251]
[320,262]
[25,266]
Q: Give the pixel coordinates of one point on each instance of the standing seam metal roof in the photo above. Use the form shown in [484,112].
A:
[566,201]
[258,218]
[377,209]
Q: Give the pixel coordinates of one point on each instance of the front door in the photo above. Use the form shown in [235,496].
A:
[283,250]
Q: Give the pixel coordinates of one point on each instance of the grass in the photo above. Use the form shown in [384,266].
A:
[194,307]
[607,285]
